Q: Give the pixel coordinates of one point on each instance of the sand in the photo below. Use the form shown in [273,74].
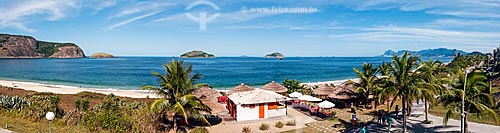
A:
[63,89]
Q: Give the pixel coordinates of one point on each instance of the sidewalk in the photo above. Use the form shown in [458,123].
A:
[5,131]
[414,124]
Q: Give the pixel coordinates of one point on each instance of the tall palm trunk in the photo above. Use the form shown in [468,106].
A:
[466,125]
[404,112]
[426,110]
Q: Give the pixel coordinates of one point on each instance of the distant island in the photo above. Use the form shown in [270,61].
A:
[275,55]
[439,52]
[197,54]
[18,46]
[101,55]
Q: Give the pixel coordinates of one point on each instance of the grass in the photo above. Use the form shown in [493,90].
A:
[441,111]
[21,125]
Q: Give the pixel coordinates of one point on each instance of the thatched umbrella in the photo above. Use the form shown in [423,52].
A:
[240,88]
[276,87]
[206,92]
[343,92]
[323,90]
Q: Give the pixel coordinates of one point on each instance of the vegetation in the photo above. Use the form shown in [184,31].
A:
[246,130]
[49,48]
[264,126]
[178,104]
[279,124]
[478,100]
[199,130]
[275,55]
[101,55]
[294,86]
[367,84]
[291,123]
[197,54]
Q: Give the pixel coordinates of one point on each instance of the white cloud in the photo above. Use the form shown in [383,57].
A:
[17,14]
[131,20]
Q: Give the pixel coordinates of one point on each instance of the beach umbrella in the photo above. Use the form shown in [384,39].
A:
[310,98]
[326,104]
[295,94]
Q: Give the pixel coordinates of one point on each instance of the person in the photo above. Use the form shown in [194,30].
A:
[353,118]
[383,117]
[397,110]
[363,130]
[389,122]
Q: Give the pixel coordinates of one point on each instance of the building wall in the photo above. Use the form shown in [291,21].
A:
[246,113]
[276,112]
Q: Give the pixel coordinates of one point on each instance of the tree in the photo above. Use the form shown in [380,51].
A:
[431,83]
[176,86]
[367,84]
[402,81]
[294,86]
[478,100]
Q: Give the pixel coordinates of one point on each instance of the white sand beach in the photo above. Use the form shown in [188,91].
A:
[64,89]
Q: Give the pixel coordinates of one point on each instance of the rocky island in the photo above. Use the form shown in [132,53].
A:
[197,54]
[18,46]
[275,55]
[101,55]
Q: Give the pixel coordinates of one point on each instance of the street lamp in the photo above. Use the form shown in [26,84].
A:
[50,116]
[467,71]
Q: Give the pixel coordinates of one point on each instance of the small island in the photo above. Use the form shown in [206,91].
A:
[101,55]
[275,55]
[197,54]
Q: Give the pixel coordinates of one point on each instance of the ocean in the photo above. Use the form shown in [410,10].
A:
[223,73]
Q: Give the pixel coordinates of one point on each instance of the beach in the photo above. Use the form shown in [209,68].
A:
[64,89]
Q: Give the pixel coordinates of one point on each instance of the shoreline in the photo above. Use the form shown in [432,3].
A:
[68,89]
[65,89]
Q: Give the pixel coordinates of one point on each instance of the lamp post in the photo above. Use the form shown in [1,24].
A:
[50,116]
[467,71]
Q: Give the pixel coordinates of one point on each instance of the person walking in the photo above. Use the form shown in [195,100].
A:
[383,117]
[353,118]
[389,122]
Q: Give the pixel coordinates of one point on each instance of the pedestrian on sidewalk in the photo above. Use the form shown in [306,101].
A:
[389,122]
[383,117]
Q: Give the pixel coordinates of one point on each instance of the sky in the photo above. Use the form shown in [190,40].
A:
[257,27]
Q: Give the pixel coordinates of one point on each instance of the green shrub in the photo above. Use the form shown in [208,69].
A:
[12,102]
[77,104]
[279,124]
[117,115]
[291,123]
[264,126]
[40,104]
[199,130]
[246,130]
[85,104]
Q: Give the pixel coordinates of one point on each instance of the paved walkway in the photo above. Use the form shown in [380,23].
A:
[415,124]
[5,131]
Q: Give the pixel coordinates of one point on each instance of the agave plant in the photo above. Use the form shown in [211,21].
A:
[12,102]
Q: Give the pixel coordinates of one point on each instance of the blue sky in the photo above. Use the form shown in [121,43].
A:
[336,28]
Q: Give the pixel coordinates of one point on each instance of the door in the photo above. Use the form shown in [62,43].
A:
[261,110]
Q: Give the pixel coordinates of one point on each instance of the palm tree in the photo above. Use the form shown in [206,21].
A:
[403,80]
[383,82]
[431,84]
[293,86]
[477,97]
[367,84]
[176,86]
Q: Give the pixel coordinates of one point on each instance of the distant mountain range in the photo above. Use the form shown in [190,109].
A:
[440,52]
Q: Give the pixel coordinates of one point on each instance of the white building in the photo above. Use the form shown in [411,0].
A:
[256,104]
